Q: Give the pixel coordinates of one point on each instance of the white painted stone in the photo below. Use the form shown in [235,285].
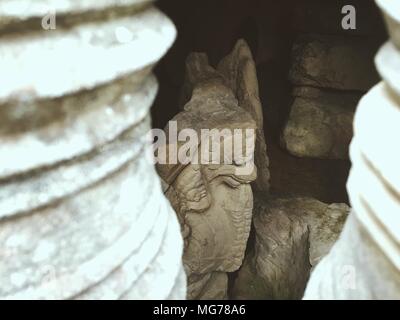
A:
[33,191]
[356,269]
[80,51]
[51,15]
[23,9]
[388,63]
[391,11]
[377,131]
[82,214]
[78,132]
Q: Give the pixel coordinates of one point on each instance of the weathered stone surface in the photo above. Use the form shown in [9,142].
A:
[391,10]
[76,130]
[75,124]
[292,235]
[376,199]
[213,201]
[320,126]
[19,196]
[334,62]
[365,262]
[211,286]
[103,211]
[24,9]
[324,221]
[279,266]
[80,51]
[164,276]
[240,71]
[82,213]
[356,269]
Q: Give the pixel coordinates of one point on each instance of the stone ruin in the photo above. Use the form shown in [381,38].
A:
[83,214]
[215,206]
[294,237]
[213,202]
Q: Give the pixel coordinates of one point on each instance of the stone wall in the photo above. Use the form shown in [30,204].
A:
[331,69]
[82,214]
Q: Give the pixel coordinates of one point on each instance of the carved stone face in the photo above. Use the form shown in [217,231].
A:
[191,188]
[214,200]
[216,207]
[219,235]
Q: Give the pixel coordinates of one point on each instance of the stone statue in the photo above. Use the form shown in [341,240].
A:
[214,201]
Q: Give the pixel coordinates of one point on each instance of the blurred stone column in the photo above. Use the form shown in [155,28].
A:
[365,262]
[82,214]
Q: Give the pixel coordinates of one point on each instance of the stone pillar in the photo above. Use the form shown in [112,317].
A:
[365,262]
[82,214]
